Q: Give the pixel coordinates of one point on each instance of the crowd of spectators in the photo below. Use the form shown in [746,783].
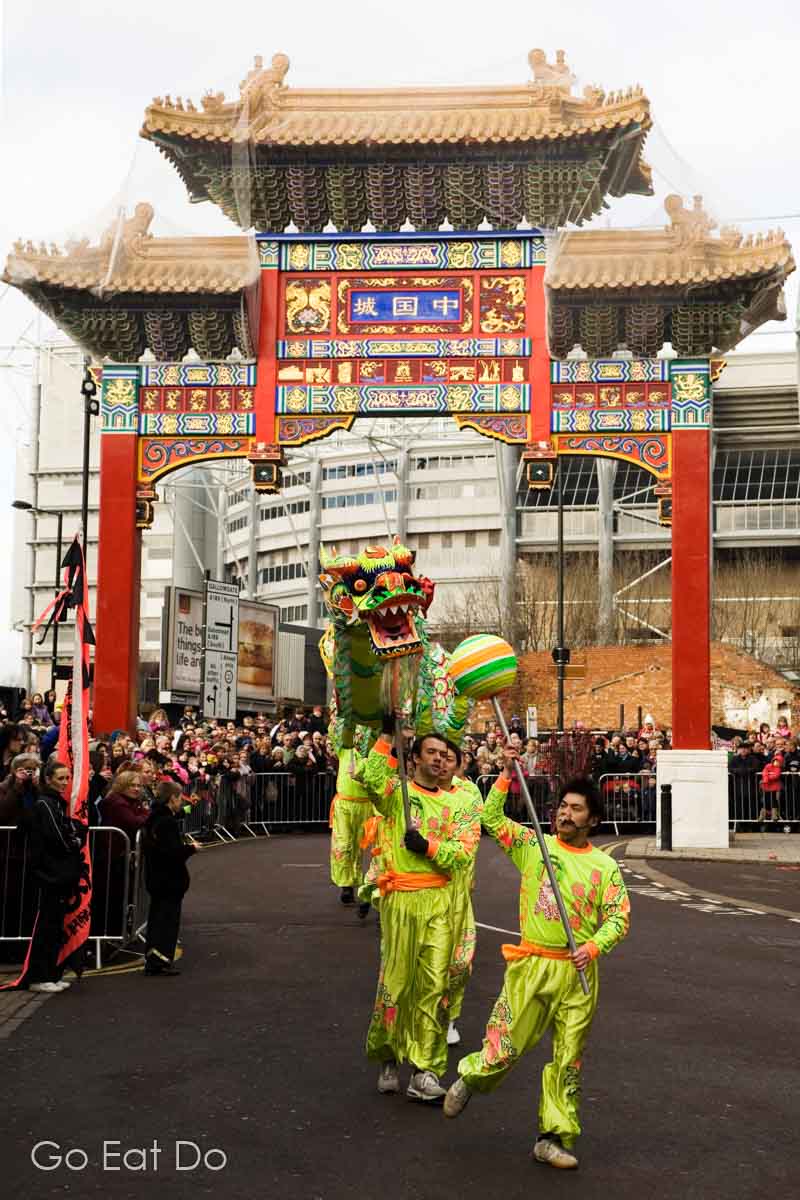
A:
[764,775]
[206,756]
[202,756]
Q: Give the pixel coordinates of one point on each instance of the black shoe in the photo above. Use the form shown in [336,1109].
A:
[347,896]
[363,910]
[157,966]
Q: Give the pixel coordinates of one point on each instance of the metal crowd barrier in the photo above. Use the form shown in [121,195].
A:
[110,853]
[629,799]
[751,806]
[277,801]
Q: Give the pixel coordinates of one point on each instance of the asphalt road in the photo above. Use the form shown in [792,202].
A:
[690,1079]
[773,884]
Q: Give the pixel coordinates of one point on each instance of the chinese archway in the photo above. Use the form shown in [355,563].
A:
[477,323]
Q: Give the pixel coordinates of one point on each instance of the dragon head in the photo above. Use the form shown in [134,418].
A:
[378,589]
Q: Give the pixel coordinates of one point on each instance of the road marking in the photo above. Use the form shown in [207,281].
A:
[635,876]
[304,864]
[658,885]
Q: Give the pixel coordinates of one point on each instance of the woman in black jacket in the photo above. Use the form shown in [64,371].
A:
[167,878]
[55,856]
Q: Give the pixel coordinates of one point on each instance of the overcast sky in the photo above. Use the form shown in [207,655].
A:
[75,79]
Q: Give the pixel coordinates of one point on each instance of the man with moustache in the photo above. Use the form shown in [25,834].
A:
[541,989]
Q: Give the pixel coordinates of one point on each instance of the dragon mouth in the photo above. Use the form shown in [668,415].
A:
[392,627]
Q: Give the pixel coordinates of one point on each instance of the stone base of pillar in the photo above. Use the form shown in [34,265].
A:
[699,781]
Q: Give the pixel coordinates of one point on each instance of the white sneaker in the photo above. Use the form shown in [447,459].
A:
[457,1098]
[425,1086]
[453,1036]
[63,984]
[389,1079]
[549,1150]
[53,988]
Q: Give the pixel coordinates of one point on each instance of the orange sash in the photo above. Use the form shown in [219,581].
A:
[370,833]
[530,950]
[339,796]
[409,881]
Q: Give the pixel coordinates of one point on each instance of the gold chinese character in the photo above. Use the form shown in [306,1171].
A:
[150,399]
[172,399]
[223,400]
[402,372]
[344,372]
[245,398]
[517,373]
[404,306]
[364,306]
[198,400]
[443,304]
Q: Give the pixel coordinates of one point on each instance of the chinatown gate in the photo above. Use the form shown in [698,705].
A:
[476,323]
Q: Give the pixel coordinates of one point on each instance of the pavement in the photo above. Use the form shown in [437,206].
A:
[743,848]
[255,1053]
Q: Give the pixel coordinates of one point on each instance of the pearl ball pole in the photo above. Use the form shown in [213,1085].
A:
[562,910]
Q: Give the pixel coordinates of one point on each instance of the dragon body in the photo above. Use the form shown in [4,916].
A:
[377,650]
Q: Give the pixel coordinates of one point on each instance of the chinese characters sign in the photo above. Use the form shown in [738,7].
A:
[404,306]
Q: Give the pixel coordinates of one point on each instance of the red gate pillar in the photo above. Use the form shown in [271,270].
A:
[116,668]
[691,556]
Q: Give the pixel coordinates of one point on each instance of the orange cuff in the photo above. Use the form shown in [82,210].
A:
[502,784]
[433,847]
[592,949]
[384,746]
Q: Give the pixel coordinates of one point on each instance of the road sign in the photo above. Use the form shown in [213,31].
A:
[222,616]
[220,674]
[219,685]
[571,670]
[532,721]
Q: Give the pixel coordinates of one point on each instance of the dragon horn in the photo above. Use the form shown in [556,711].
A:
[326,560]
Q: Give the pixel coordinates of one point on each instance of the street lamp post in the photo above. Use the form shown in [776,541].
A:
[26,506]
[91,408]
[561,660]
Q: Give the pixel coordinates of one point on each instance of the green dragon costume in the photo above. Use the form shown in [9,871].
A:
[377,649]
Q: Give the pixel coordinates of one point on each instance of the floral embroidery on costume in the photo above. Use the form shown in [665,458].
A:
[497,1045]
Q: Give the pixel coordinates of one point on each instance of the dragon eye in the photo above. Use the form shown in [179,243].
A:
[360,585]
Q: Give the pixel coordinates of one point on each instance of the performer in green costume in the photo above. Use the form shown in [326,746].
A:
[350,809]
[409,1020]
[541,989]
[464,929]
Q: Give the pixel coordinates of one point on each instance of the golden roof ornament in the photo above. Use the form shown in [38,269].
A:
[551,75]
[262,84]
[688,225]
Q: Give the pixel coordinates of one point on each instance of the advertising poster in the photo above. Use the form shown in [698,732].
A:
[257,642]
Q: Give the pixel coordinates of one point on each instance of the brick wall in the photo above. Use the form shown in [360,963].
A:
[633,676]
